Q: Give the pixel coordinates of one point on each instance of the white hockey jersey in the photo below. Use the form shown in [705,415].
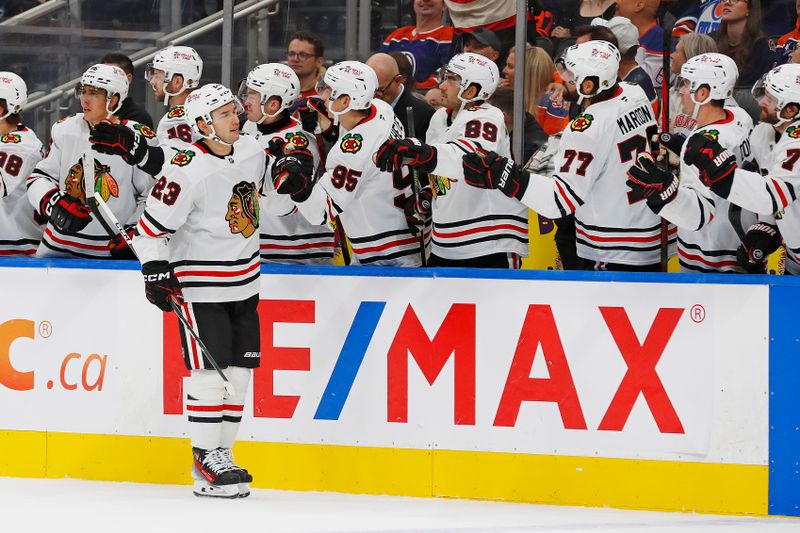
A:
[774,194]
[202,215]
[123,187]
[469,222]
[290,238]
[707,239]
[596,151]
[20,152]
[174,131]
[368,202]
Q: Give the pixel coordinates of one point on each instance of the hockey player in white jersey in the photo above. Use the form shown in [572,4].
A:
[267,94]
[471,227]
[20,151]
[198,242]
[62,185]
[595,153]
[708,234]
[772,190]
[370,203]
[173,74]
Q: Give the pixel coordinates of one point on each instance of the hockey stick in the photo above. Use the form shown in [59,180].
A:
[665,65]
[416,187]
[229,390]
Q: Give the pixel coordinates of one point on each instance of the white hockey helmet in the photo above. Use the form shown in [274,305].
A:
[477,69]
[592,59]
[718,71]
[783,84]
[14,91]
[172,60]
[270,80]
[110,78]
[203,101]
[354,79]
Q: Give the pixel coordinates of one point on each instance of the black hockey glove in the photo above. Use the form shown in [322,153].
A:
[759,242]
[160,284]
[715,163]
[116,139]
[312,113]
[291,175]
[395,153]
[119,248]
[491,171]
[418,209]
[648,182]
[279,148]
[65,212]
[671,144]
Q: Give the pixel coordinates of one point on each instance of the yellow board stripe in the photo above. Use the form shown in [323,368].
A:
[592,481]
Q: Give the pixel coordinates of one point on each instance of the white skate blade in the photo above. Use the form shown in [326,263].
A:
[205,489]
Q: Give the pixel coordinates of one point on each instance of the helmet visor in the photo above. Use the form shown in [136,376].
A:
[759,88]
[566,74]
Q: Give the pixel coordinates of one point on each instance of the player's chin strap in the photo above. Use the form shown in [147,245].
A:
[167,94]
[696,109]
[781,121]
[265,116]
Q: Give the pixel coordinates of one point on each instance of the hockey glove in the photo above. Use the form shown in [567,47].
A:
[119,248]
[116,139]
[656,186]
[670,146]
[491,171]
[760,241]
[160,284]
[715,163]
[418,209]
[65,212]
[314,113]
[291,174]
[395,153]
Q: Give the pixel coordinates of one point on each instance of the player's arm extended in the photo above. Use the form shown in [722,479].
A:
[762,194]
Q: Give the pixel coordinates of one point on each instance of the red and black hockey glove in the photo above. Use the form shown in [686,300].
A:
[292,175]
[160,284]
[648,182]
[492,171]
[118,246]
[116,139]
[418,209]
[65,212]
[759,242]
[671,145]
[395,153]
[715,163]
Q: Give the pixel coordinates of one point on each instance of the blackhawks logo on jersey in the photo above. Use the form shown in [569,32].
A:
[243,209]
[351,143]
[11,138]
[176,112]
[104,182]
[472,107]
[440,184]
[712,134]
[145,130]
[793,132]
[182,158]
[297,138]
[581,122]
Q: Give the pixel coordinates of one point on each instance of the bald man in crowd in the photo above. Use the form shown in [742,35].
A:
[392,90]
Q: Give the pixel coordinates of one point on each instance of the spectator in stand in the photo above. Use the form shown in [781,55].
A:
[392,91]
[499,16]
[628,44]
[696,17]
[483,42]
[130,110]
[406,70]
[571,14]
[788,43]
[689,45]
[305,57]
[429,44]
[643,14]
[739,36]
[534,136]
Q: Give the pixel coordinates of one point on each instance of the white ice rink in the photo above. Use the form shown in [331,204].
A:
[86,506]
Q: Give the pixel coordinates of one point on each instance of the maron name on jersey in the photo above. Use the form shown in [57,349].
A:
[636,118]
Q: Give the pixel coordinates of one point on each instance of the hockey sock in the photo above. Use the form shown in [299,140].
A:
[204,405]
[233,406]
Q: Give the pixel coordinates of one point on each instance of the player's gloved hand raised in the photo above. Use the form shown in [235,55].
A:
[671,144]
[648,182]
[492,171]
[160,284]
[119,248]
[65,212]
[418,209]
[314,112]
[759,242]
[290,175]
[395,153]
[116,139]
[715,163]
